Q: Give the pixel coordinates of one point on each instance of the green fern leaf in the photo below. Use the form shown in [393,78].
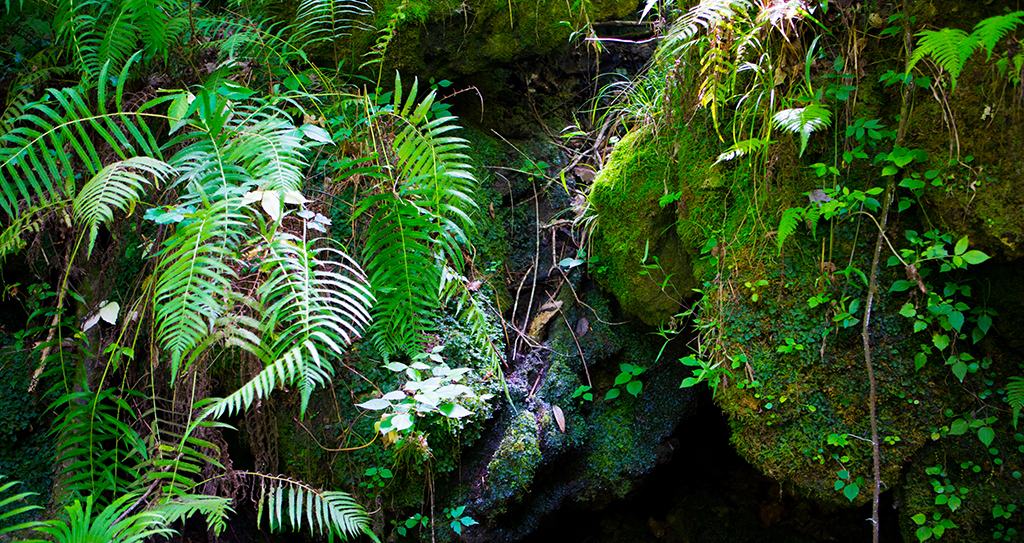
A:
[949,47]
[112,524]
[803,120]
[183,506]
[115,187]
[296,504]
[324,20]
[194,276]
[989,31]
[1015,396]
[97,452]
[787,225]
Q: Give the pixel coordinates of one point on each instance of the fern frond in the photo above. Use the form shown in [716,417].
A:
[705,15]
[989,31]
[98,453]
[317,302]
[1015,396]
[183,506]
[160,23]
[194,277]
[6,516]
[118,38]
[742,148]
[112,524]
[323,20]
[404,273]
[804,121]
[787,225]
[55,139]
[115,187]
[298,504]
[949,47]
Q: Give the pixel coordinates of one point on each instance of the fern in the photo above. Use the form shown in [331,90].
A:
[7,515]
[97,452]
[331,512]
[804,121]
[324,20]
[315,307]
[1015,396]
[705,15]
[112,524]
[55,138]
[950,47]
[115,187]
[787,225]
[181,507]
[418,223]
[989,31]
[194,275]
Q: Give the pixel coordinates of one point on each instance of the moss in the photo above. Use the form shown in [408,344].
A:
[976,478]
[511,468]
[631,225]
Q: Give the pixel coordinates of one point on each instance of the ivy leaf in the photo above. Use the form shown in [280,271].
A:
[920,359]
[941,341]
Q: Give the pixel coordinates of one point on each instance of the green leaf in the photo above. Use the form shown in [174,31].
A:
[975,257]
[956,320]
[941,341]
[960,370]
[454,411]
[923,533]
[920,359]
[919,519]
[612,394]
[959,427]
[622,378]
[961,246]
[851,491]
[986,435]
[908,310]
[634,387]
[375,404]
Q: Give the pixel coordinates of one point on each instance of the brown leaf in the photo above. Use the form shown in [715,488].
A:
[559,417]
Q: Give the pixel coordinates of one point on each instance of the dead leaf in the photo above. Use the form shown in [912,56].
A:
[559,417]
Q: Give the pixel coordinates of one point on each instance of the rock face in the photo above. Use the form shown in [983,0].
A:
[530,467]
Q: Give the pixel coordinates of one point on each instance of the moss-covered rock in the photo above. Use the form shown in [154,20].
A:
[512,467]
[641,259]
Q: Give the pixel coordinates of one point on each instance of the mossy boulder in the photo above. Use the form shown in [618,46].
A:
[961,480]
[641,259]
[512,467]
